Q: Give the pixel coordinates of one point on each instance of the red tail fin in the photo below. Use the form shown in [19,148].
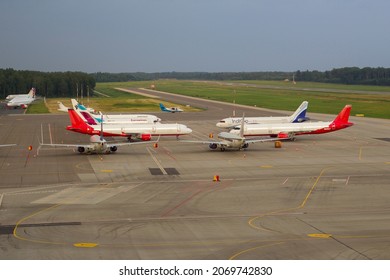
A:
[77,124]
[341,121]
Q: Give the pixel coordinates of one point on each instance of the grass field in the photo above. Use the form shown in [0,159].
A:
[370,101]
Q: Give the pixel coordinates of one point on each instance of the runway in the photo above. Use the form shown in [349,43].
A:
[320,197]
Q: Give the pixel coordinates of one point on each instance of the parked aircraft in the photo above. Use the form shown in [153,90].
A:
[12,96]
[290,130]
[231,140]
[97,145]
[23,100]
[93,117]
[171,109]
[298,116]
[130,130]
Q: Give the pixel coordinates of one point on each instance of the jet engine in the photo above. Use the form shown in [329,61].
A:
[81,150]
[144,137]
[213,146]
[113,148]
[245,146]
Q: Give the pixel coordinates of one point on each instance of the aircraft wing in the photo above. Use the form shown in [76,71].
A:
[204,142]
[68,145]
[251,141]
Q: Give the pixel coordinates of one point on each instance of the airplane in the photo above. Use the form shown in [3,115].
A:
[23,100]
[290,130]
[171,109]
[97,145]
[231,140]
[11,96]
[125,118]
[298,116]
[142,132]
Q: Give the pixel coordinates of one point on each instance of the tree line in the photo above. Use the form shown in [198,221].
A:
[47,84]
[70,84]
[346,75]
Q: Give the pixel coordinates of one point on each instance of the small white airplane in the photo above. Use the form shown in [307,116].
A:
[231,140]
[92,117]
[97,145]
[23,100]
[171,109]
[298,116]
[139,131]
[290,130]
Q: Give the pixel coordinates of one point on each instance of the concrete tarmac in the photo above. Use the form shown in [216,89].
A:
[319,197]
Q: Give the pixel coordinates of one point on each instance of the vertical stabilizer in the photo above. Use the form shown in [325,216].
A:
[300,114]
[342,119]
[242,126]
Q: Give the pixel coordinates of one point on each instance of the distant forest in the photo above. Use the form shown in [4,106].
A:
[54,84]
[346,75]
[70,84]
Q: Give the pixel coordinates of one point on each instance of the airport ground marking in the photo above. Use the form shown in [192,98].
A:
[19,223]
[254,248]
[252,220]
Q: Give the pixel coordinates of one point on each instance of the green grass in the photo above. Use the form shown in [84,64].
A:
[285,97]
[38,107]
[370,104]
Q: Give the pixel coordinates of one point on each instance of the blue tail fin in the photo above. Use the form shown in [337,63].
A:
[162,107]
[300,114]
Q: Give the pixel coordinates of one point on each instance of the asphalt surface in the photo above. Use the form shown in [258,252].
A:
[319,197]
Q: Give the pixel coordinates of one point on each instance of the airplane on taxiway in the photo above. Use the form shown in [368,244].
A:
[138,131]
[97,145]
[290,130]
[12,96]
[123,118]
[231,140]
[22,100]
[298,116]
[170,109]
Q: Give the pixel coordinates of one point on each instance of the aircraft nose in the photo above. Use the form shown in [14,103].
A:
[188,130]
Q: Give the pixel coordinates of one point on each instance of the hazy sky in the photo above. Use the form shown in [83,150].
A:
[193,35]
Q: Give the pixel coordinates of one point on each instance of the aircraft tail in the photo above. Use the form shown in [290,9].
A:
[242,126]
[62,107]
[162,107]
[31,93]
[342,119]
[300,114]
[77,123]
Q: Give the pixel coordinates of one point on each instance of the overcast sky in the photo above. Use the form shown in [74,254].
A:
[193,35]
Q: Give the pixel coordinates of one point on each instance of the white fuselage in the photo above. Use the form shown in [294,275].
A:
[274,129]
[156,129]
[231,122]
[130,118]
[20,100]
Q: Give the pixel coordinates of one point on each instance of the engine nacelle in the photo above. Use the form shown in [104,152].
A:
[113,148]
[213,146]
[245,146]
[144,137]
[81,150]
[283,135]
